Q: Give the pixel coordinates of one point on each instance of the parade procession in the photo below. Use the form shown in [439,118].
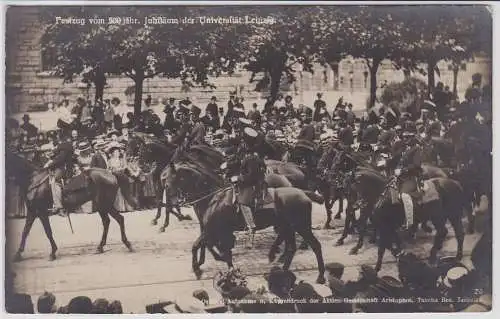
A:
[357,194]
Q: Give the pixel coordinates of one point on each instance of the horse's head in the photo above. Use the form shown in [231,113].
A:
[181,179]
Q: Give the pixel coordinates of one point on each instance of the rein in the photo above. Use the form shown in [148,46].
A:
[206,196]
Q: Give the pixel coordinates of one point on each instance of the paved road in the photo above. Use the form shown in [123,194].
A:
[160,269]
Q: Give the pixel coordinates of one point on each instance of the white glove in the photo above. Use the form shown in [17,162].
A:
[234,179]
[397,172]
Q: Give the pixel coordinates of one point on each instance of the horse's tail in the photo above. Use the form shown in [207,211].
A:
[315,197]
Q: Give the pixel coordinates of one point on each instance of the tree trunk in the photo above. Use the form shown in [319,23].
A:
[455,77]
[431,66]
[139,81]
[373,81]
[335,69]
[99,90]
[275,82]
[99,83]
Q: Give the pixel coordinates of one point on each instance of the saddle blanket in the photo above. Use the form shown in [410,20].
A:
[430,192]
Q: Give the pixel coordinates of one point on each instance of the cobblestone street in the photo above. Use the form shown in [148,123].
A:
[160,267]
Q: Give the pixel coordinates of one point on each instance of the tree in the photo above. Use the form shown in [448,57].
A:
[451,33]
[374,35]
[276,49]
[180,50]
[330,38]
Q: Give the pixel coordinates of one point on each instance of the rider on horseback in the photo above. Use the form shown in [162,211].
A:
[60,168]
[305,147]
[410,175]
[251,184]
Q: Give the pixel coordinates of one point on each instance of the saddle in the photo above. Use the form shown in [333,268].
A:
[38,179]
[76,184]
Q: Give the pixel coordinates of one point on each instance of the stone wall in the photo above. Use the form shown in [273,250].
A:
[29,88]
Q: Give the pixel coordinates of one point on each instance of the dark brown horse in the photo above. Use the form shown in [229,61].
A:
[155,153]
[219,217]
[389,216]
[95,184]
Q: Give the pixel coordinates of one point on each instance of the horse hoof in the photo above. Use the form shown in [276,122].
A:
[154,222]
[130,248]
[337,216]
[377,268]
[328,226]
[303,246]
[162,229]
[17,257]
[187,217]
[198,272]
[99,250]
[320,279]
[354,251]
[339,242]
[52,257]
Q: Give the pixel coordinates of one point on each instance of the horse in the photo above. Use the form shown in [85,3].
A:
[448,206]
[94,184]
[219,217]
[152,150]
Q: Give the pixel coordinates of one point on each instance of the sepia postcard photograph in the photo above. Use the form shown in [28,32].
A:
[178,158]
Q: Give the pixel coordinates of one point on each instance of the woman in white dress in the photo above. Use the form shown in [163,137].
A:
[117,163]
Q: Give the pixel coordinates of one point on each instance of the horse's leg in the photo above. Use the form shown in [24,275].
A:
[159,198]
[347,225]
[441,232]
[121,222]
[363,217]
[328,206]
[194,250]
[105,225]
[168,210]
[340,199]
[315,245]
[458,228]
[44,218]
[275,247]
[290,248]
[30,219]
[383,243]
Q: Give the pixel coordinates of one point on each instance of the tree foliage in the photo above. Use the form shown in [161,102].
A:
[301,35]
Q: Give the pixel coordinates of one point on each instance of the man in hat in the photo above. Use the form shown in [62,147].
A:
[169,110]
[250,184]
[305,146]
[319,108]
[60,166]
[99,159]
[30,129]
[346,135]
[198,132]
[254,115]
[212,107]
[231,104]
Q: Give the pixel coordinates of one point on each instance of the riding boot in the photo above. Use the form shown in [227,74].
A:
[408,207]
[246,211]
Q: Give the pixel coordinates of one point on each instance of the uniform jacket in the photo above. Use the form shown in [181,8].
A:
[63,155]
[197,135]
[98,161]
[346,136]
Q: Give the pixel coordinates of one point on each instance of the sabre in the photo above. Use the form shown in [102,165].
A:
[70,225]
